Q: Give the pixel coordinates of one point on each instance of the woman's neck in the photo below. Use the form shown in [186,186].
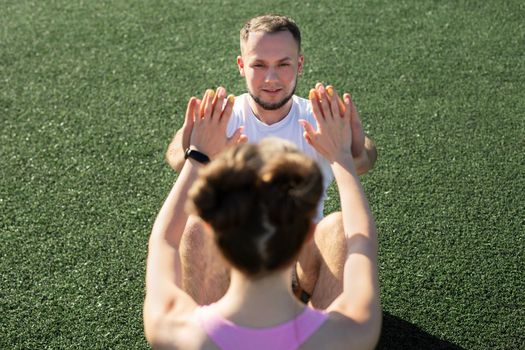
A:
[269,297]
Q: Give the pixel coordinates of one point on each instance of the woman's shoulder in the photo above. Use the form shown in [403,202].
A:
[180,329]
[338,332]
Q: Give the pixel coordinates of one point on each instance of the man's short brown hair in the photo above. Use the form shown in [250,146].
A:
[270,24]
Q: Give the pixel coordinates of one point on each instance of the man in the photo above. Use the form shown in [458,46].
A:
[270,62]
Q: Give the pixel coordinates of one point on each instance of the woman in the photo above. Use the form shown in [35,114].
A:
[259,203]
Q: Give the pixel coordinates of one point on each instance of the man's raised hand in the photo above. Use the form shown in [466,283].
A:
[210,120]
[333,137]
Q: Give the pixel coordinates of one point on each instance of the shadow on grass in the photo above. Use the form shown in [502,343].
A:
[400,334]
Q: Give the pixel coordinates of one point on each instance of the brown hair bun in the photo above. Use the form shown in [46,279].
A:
[223,185]
[260,202]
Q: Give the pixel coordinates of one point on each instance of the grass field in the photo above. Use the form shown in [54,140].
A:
[92,91]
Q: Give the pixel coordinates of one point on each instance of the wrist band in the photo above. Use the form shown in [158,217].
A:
[196,155]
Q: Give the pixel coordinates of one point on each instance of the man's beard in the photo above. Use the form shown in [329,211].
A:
[273,106]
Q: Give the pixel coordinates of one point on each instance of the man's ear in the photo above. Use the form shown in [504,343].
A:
[240,64]
[300,64]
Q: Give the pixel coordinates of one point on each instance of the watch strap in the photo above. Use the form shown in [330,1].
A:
[196,155]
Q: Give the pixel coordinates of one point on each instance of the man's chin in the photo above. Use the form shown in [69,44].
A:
[271,106]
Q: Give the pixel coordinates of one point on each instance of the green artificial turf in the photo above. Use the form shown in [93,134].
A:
[92,91]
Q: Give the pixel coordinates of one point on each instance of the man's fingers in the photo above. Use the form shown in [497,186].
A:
[347,107]
[342,107]
[308,128]
[358,135]
[324,101]
[333,101]
[307,138]
[196,111]
[355,120]
[189,122]
[190,112]
[316,109]
[341,104]
[237,137]
[218,103]
[242,140]
[228,108]
[207,100]
[203,104]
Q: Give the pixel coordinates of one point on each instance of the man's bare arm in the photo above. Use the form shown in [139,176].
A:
[181,140]
[175,151]
[367,159]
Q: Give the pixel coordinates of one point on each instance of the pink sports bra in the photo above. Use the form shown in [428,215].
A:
[286,336]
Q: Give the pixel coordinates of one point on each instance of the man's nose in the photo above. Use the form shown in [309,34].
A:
[271,75]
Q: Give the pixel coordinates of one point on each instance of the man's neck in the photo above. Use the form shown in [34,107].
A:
[270,117]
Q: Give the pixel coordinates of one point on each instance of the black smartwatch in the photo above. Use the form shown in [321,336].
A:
[198,156]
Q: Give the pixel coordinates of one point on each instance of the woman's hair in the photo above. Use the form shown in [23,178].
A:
[260,201]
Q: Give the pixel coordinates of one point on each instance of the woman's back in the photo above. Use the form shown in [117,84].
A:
[205,329]
[283,336]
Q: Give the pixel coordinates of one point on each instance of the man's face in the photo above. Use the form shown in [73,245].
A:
[270,63]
